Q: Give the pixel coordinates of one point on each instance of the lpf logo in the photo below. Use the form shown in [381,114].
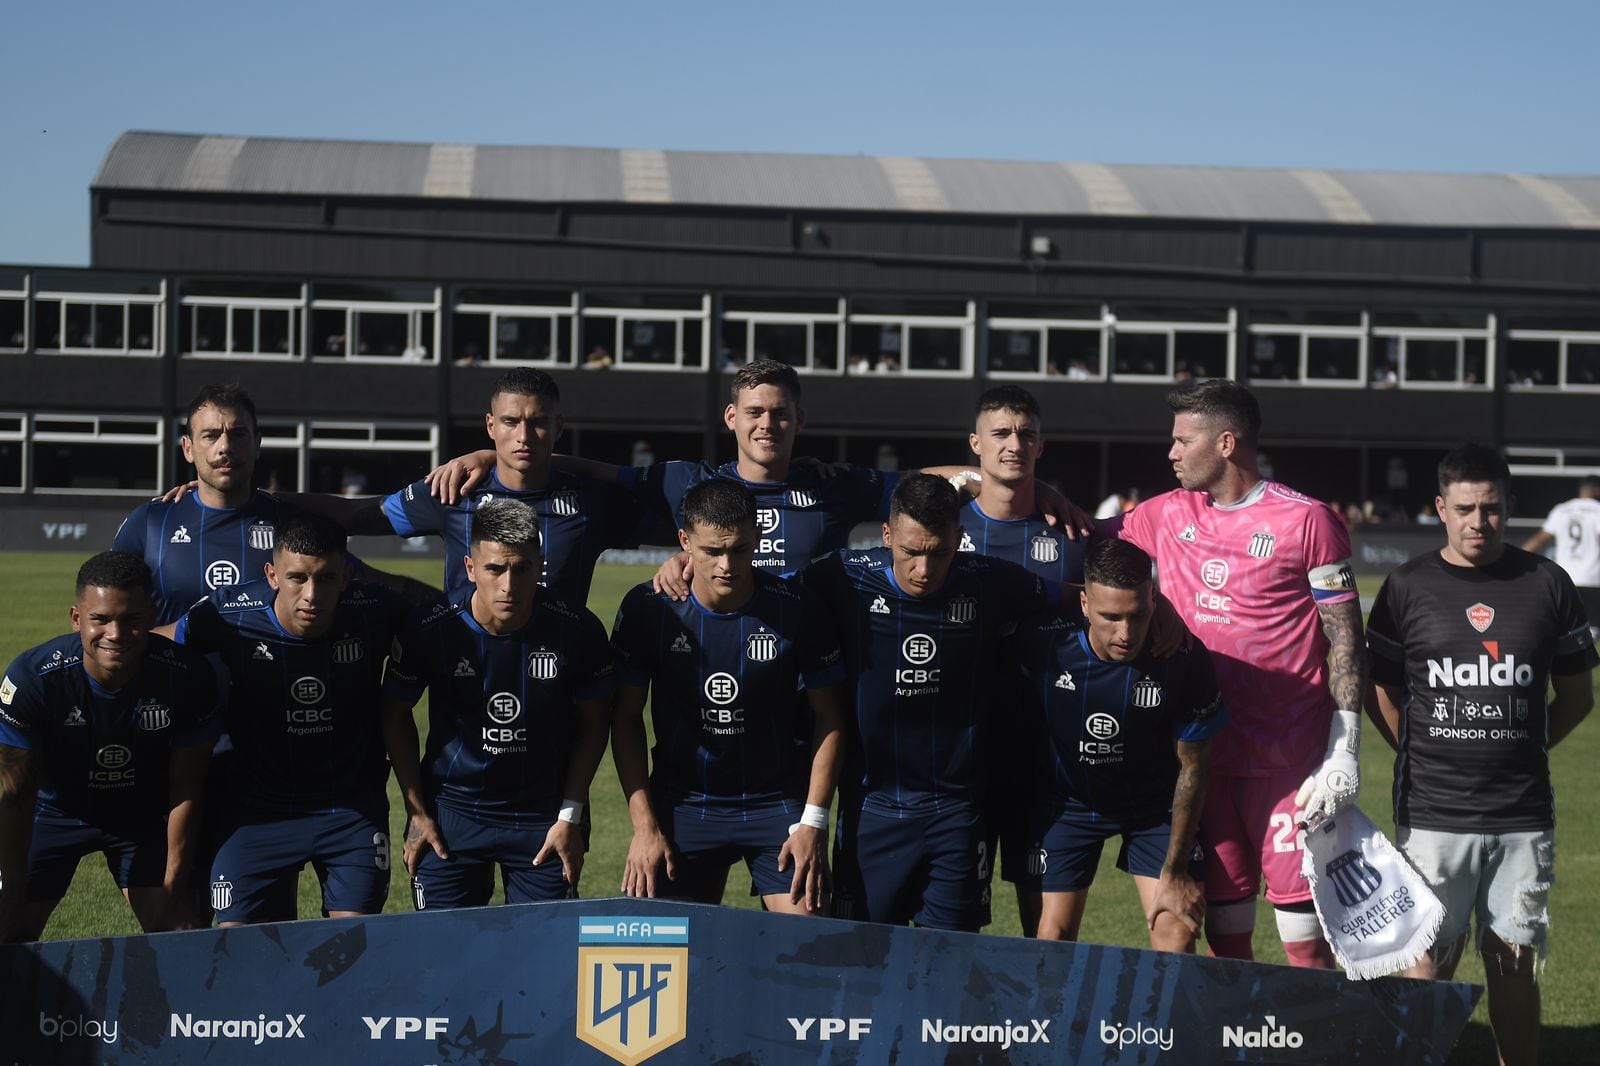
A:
[721,689]
[1214,572]
[504,707]
[308,690]
[633,985]
[919,648]
[221,573]
[1353,877]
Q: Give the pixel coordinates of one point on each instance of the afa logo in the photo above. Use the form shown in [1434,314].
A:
[633,985]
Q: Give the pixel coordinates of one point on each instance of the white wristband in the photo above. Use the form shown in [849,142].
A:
[571,811]
[814,816]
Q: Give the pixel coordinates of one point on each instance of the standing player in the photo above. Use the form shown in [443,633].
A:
[1574,526]
[1128,753]
[921,625]
[1464,642]
[519,709]
[105,735]
[305,647]
[724,671]
[1263,574]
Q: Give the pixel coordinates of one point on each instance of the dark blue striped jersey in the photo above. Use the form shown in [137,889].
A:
[727,698]
[503,715]
[1031,543]
[797,521]
[578,519]
[193,549]
[303,714]
[103,755]
[1112,725]
[920,670]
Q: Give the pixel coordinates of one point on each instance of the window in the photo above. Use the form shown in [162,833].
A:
[370,323]
[803,333]
[13,451]
[366,458]
[1564,355]
[1180,345]
[1444,353]
[645,337]
[902,343]
[513,326]
[1312,347]
[102,454]
[13,311]
[1047,346]
[99,323]
[229,326]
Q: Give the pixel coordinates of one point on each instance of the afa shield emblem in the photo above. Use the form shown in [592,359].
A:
[633,985]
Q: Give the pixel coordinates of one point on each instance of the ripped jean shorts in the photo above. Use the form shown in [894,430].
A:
[1504,877]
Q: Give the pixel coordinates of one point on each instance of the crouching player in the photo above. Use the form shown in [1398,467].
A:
[1128,755]
[519,706]
[730,671]
[105,736]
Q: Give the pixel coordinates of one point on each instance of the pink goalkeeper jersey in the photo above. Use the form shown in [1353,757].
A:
[1247,579]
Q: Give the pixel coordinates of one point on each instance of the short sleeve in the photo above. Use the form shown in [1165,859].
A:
[597,678]
[1025,593]
[630,640]
[1384,647]
[1575,648]
[1138,526]
[405,678]
[413,511]
[1202,713]
[130,535]
[659,487]
[870,491]
[201,722]
[1327,557]
[201,627]
[21,706]
[1553,521]
[821,657]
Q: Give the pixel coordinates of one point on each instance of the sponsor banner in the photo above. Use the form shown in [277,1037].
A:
[631,981]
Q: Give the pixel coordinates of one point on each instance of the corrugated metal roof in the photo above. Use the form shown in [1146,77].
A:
[192,162]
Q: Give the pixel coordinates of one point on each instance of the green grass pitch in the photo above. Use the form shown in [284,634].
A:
[38,590]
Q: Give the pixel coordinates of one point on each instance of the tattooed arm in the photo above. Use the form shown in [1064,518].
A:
[1347,663]
[1177,893]
[1336,783]
[405,755]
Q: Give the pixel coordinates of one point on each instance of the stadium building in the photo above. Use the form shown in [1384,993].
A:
[368,294]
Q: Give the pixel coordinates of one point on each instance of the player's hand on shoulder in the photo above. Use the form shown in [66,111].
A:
[422,832]
[648,855]
[450,480]
[1168,634]
[672,579]
[1061,512]
[177,492]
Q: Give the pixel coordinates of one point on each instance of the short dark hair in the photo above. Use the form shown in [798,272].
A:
[927,499]
[1006,398]
[1117,564]
[311,534]
[1223,399]
[230,397]
[1473,462]
[505,521]
[526,381]
[115,570]
[719,503]
[1590,486]
[759,372]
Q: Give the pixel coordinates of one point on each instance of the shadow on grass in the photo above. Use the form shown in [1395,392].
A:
[1558,1045]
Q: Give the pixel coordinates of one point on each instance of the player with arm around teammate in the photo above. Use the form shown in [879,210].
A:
[1262,575]
[105,735]
[305,648]
[1465,643]
[519,706]
[1127,754]
[730,673]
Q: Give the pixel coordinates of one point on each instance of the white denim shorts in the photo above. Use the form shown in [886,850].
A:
[1503,878]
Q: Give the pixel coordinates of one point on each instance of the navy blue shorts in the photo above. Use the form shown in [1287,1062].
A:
[707,841]
[466,878]
[257,866]
[136,857]
[1063,849]
[921,867]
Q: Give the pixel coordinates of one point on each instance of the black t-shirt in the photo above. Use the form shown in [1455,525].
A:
[1474,648]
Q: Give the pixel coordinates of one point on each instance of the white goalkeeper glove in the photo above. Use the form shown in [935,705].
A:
[1334,784]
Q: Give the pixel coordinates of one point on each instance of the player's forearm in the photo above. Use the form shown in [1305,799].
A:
[1188,800]
[410,589]
[827,747]
[589,468]
[16,832]
[187,789]
[594,730]
[405,755]
[1383,711]
[628,752]
[1348,668]
[360,516]
[1574,699]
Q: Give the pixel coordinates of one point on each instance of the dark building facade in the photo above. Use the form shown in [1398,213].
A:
[369,294]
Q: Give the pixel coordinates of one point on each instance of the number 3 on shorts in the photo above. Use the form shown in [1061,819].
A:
[380,844]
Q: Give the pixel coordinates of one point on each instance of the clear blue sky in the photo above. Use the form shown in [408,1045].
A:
[1407,85]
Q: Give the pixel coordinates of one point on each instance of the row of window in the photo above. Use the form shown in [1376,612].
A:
[1305,346]
[137,455]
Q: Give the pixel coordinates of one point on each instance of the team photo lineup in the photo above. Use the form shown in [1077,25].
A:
[996,692]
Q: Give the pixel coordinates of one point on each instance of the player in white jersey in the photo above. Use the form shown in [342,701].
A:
[1262,575]
[1574,526]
